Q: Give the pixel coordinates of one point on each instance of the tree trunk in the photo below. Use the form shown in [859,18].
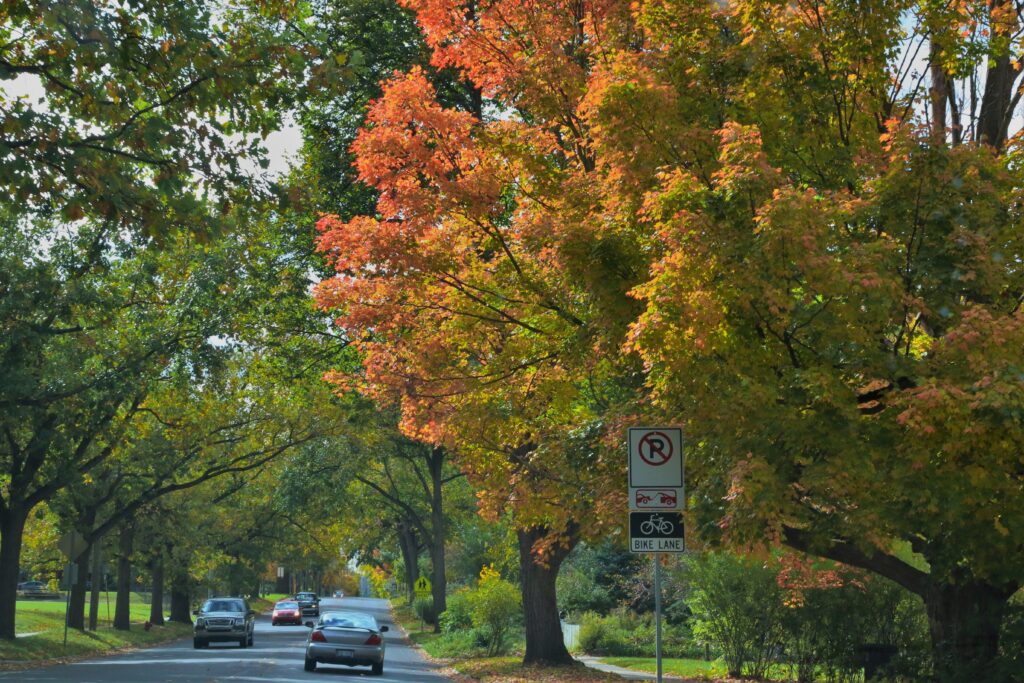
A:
[440,587]
[939,92]
[122,608]
[96,576]
[235,580]
[12,529]
[1003,70]
[76,604]
[964,621]
[410,555]
[180,612]
[156,603]
[544,642]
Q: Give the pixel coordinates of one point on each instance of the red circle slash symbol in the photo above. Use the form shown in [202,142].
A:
[655,448]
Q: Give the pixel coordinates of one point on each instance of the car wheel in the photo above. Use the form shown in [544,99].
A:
[243,642]
[198,644]
[310,664]
[250,639]
[378,668]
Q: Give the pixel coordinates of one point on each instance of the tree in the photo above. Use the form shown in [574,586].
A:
[143,109]
[85,340]
[803,246]
[474,333]
[807,318]
[375,463]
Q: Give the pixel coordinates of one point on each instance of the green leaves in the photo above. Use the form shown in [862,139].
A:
[133,102]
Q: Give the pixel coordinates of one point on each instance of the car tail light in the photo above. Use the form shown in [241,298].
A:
[318,637]
[373,640]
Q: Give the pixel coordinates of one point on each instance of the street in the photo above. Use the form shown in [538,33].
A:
[276,655]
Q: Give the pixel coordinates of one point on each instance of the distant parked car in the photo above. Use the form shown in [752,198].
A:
[349,638]
[224,620]
[309,603]
[286,612]
[339,594]
[32,586]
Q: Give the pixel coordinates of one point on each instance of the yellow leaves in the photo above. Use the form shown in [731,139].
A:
[998,523]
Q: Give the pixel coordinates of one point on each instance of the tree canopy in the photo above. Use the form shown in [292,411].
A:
[790,227]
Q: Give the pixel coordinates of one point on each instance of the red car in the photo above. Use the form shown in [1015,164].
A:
[286,612]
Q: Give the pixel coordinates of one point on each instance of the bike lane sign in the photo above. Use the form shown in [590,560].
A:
[656,532]
[656,468]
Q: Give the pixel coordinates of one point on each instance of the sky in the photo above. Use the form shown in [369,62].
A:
[282,145]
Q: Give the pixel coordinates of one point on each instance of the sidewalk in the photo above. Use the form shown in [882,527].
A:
[628,674]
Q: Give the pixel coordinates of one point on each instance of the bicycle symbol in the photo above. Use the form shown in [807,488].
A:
[657,523]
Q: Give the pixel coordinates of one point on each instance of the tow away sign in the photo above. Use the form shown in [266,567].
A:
[656,468]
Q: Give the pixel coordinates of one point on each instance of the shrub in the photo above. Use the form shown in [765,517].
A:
[598,637]
[424,608]
[578,592]
[626,634]
[458,615]
[463,643]
[1010,665]
[495,606]
[824,633]
[737,607]
[833,612]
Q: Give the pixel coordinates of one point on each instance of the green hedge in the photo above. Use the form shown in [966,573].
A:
[626,634]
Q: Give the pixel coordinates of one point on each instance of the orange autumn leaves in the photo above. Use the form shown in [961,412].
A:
[690,211]
[431,286]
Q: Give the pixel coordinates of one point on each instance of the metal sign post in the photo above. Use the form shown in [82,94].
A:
[657,611]
[656,503]
[69,544]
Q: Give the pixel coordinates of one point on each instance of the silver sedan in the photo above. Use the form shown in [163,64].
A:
[344,637]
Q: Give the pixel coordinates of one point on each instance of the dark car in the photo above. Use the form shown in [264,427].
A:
[222,620]
[309,603]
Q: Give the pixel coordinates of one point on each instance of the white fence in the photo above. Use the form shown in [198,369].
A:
[571,635]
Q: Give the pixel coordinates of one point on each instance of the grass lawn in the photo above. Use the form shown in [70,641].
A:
[45,621]
[686,668]
[697,669]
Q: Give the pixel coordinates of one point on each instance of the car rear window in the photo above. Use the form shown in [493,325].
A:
[287,605]
[349,620]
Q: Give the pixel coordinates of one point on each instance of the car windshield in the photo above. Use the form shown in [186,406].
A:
[305,596]
[223,606]
[348,619]
[286,605]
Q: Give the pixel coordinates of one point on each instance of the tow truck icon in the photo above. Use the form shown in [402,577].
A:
[656,499]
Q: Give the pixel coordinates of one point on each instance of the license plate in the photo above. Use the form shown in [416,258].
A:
[346,654]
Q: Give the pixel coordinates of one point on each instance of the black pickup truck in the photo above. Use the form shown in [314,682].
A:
[309,603]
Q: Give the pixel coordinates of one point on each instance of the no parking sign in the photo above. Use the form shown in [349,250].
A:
[656,468]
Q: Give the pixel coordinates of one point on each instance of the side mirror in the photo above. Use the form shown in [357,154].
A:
[195,612]
[383,629]
[251,613]
[309,624]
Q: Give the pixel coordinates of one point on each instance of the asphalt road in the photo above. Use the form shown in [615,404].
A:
[276,656]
